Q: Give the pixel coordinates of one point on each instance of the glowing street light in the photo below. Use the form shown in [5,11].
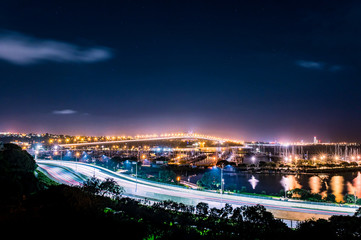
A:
[77,154]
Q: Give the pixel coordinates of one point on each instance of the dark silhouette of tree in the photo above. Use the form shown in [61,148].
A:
[17,179]
[92,185]
[108,187]
[237,215]
[202,209]
[358,212]
[257,214]
[226,210]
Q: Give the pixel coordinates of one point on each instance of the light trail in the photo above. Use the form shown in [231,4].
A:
[62,175]
[159,191]
[185,136]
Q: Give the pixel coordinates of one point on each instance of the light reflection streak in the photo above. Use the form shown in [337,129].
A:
[357,184]
[315,184]
[284,183]
[290,182]
[354,188]
[337,187]
[253,181]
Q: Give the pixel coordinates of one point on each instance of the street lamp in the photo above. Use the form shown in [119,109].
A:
[136,175]
[37,150]
[77,154]
[222,180]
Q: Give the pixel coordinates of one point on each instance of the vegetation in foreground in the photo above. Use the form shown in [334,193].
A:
[29,206]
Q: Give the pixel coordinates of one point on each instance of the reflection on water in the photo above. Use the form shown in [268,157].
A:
[315,184]
[284,183]
[350,188]
[337,187]
[290,182]
[357,185]
[253,181]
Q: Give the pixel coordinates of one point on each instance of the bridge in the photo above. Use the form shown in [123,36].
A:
[153,137]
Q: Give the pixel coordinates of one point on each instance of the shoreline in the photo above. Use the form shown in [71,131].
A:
[297,171]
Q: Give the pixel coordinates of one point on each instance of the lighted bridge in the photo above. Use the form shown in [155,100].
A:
[154,137]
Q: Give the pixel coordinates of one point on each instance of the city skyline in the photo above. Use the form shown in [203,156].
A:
[242,70]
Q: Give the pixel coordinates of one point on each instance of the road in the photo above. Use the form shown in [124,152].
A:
[74,173]
[153,138]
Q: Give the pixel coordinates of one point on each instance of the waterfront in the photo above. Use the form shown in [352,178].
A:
[338,184]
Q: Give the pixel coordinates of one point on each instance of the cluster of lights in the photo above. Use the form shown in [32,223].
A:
[322,157]
[146,136]
[82,139]
[88,139]
[290,158]
[190,135]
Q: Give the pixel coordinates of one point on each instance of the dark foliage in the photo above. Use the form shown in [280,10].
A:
[17,179]
[87,211]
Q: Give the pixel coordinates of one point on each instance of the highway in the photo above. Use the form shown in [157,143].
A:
[73,173]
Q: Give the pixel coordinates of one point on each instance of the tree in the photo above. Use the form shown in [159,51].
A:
[202,209]
[211,179]
[215,212]
[257,214]
[357,213]
[226,210]
[108,187]
[167,176]
[301,193]
[237,215]
[349,198]
[330,198]
[91,185]
[17,177]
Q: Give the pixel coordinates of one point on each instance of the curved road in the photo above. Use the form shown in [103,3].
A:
[74,173]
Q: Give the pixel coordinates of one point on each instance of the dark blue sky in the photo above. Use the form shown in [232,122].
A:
[255,70]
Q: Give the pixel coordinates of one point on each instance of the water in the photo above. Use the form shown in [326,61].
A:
[337,184]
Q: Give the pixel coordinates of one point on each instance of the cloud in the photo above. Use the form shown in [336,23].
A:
[64,112]
[335,68]
[24,50]
[319,65]
[310,64]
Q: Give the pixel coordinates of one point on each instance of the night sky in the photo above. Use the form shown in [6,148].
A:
[251,70]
